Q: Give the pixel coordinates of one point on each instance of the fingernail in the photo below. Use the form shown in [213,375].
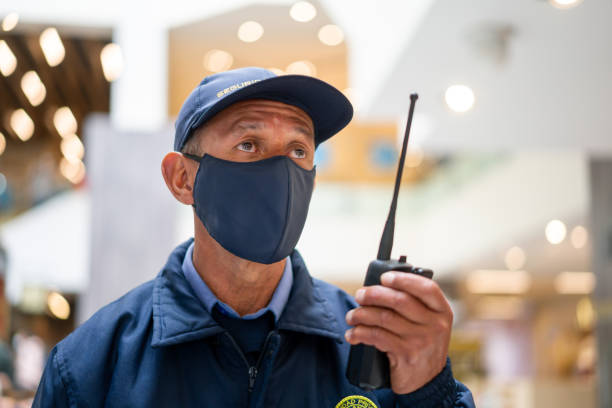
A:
[359,295]
[387,278]
[348,334]
[349,315]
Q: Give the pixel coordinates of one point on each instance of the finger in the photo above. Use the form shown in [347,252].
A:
[382,317]
[403,303]
[378,337]
[426,290]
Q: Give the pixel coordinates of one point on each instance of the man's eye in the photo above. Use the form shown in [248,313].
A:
[298,153]
[246,146]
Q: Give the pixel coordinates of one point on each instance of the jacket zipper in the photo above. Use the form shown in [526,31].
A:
[252,370]
[252,377]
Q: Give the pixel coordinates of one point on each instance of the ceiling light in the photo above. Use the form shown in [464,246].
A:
[2,143]
[72,148]
[65,122]
[8,62]
[52,46]
[111,58]
[22,124]
[250,31]
[58,306]
[303,11]
[302,68]
[564,4]
[10,21]
[555,232]
[331,35]
[74,171]
[515,258]
[218,60]
[577,283]
[33,88]
[579,236]
[498,281]
[459,98]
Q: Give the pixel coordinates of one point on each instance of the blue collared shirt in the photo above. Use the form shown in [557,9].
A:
[210,301]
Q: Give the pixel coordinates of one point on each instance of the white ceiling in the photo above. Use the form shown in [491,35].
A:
[550,87]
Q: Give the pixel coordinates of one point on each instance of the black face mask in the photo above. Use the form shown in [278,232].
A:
[255,210]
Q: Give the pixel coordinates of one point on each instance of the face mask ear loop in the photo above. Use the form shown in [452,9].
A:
[193,157]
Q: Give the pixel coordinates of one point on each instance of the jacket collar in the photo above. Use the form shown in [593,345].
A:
[179,316]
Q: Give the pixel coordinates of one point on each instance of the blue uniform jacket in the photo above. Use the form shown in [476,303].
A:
[157,346]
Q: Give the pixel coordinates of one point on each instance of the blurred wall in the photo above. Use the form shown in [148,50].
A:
[132,213]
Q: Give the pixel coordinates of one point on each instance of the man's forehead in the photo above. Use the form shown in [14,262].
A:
[255,107]
[249,114]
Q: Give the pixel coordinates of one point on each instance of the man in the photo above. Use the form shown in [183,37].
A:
[234,318]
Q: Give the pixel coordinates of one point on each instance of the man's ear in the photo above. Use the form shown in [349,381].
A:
[178,177]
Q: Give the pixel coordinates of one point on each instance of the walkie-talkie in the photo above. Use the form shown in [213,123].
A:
[368,367]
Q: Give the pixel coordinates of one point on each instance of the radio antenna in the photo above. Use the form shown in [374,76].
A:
[386,241]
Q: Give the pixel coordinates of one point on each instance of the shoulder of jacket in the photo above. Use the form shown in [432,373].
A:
[86,358]
[131,312]
[337,299]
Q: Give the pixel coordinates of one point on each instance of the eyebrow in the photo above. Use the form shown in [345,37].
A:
[304,130]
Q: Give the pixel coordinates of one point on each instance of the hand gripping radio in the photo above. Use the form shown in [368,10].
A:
[368,367]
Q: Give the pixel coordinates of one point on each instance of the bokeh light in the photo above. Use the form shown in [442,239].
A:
[250,31]
[485,281]
[303,11]
[72,170]
[111,58]
[8,62]
[579,236]
[301,68]
[218,60]
[10,21]
[52,46]
[555,232]
[572,282]
[564,4]
[22,124]
[331,35]
[459,98]
[58,306]
[33,88]
[2,143]
[65,122]
[72,148]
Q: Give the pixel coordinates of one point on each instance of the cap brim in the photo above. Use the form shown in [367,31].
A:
[328,108]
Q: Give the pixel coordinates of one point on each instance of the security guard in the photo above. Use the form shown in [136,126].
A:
[234,319]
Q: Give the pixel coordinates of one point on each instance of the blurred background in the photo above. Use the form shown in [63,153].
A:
[507,191]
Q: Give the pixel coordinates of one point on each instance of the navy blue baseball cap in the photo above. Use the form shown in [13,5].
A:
[328,108]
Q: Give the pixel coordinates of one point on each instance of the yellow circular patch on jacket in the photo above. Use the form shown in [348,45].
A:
[356,401]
